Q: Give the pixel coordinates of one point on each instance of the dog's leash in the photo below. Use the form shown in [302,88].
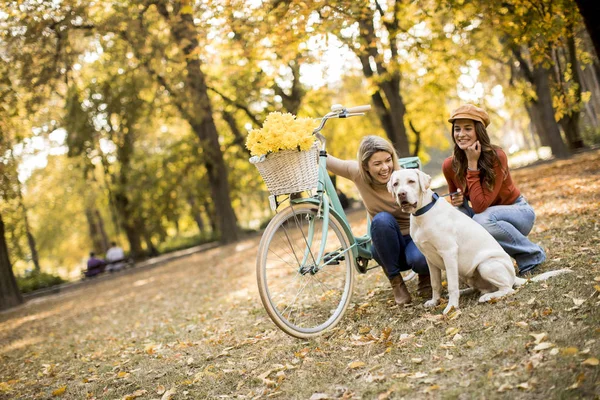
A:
[450,194]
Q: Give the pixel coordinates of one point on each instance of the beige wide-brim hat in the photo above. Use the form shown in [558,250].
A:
[469,111]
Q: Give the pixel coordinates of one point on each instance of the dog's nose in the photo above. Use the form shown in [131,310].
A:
[402,194]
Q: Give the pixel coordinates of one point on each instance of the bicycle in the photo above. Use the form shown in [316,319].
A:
[308,255]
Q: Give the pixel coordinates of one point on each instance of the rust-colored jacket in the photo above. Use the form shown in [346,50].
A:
[504,193]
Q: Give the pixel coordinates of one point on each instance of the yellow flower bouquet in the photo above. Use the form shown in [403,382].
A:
[281,132]
[285,153]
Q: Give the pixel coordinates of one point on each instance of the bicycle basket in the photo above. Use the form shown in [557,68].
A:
[289,171]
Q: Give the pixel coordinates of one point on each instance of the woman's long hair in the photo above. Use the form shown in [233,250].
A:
[487,159]
[370,145]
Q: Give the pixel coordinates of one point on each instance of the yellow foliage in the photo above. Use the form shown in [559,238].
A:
[281,132]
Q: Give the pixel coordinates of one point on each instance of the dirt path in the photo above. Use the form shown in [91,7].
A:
[194,328]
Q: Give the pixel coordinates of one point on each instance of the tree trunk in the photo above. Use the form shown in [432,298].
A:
[209,210]
[570,121]
[30,239]
[537,125]
[10,296]
[102,231]
[95,236]
[197,110]
[590,10]
[152,251]
[543,105]
[196,214]
[391,115]
[387,100]
[132,230]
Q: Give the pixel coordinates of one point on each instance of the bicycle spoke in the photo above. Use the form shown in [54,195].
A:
[303,297]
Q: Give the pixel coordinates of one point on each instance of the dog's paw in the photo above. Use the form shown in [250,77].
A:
[485,298]
[431,303]
[450,307]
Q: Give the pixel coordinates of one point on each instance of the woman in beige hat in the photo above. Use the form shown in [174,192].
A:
[478,171]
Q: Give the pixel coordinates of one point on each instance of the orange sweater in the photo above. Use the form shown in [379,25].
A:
[504,192]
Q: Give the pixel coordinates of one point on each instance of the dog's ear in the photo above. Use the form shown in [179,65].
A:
[390,184]
[424,180]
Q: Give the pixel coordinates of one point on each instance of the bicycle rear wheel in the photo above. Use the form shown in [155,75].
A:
[303,297]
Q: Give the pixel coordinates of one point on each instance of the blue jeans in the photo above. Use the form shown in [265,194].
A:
[392,250]
[510,225]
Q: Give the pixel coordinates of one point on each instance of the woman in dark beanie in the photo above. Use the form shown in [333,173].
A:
[478,170]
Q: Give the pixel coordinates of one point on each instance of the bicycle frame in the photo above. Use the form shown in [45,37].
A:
[329,203]
[326,194]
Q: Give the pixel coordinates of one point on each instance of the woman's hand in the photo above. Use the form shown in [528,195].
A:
[457,199]
[473,152]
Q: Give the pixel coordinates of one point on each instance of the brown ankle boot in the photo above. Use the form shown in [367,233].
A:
[401,294]
[424,286]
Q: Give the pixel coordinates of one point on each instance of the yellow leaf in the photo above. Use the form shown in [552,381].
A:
[122,374]
[569,351]
[452,331]
[135,395]
[5,387]
[59,391]
[187,10]
[597,287]
[356,364]
[592,361]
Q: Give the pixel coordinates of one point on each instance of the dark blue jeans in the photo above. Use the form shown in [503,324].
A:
[392,250]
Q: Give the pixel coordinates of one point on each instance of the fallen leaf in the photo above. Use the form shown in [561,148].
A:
[580,379]
[452,331]
[539,337]
[543,346]
[431,388]
[522,324]
[504,387]
[416,360]
[319,396]
[524,386]
[356,364]
[168,395]
[592,361]
[578,302]
[569,351]
[61,390]
[135,395]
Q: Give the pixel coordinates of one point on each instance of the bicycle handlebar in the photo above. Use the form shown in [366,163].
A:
[358,109]
[339,111]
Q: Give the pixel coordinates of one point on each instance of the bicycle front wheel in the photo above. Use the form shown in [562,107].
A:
[304,296]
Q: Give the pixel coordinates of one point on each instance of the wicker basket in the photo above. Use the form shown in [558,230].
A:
[289,171]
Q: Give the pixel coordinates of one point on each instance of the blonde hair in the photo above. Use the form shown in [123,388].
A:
[370,145]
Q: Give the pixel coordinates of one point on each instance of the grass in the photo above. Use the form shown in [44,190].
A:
[195,328]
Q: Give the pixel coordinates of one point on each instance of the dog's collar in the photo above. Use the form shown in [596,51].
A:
[423,210]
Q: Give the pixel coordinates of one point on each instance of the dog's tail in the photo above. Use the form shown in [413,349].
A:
[542,277]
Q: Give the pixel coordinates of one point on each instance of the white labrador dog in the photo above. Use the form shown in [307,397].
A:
[452,241]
